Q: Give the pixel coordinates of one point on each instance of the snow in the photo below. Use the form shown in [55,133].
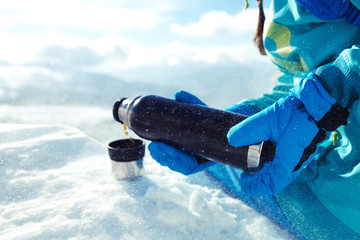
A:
[57,184]
[56,180]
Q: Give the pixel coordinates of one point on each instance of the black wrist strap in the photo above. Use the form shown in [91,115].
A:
[334,118]
[319,137]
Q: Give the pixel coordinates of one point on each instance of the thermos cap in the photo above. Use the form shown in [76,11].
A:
[126,150]
[116,109]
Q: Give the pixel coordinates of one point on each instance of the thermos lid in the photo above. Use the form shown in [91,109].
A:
[116,109]
[126,150]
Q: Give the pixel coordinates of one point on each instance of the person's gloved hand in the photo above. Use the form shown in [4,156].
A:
[172,158]
[176,160]
[297,124]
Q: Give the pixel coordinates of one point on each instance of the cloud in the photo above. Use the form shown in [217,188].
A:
[113,54]
[56,56]
[176,53]
[75,13]
[59,56]
[19,49]
[219,22]
[160,6]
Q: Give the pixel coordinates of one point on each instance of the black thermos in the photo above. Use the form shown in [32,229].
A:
[195,129]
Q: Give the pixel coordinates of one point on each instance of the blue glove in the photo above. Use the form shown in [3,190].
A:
[297,124]
[174,159]
[333,9]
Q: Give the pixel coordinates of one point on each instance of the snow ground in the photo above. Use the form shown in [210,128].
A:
[57,184]
[56,180]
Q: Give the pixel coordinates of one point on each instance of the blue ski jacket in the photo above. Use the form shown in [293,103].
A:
[320,36]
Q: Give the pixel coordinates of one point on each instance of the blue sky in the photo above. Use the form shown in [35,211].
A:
[34,24]
[176,43]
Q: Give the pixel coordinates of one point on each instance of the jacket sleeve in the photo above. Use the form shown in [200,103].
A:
[284,83]
[341,78]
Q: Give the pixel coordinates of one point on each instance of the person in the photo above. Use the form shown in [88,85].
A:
[312,186]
